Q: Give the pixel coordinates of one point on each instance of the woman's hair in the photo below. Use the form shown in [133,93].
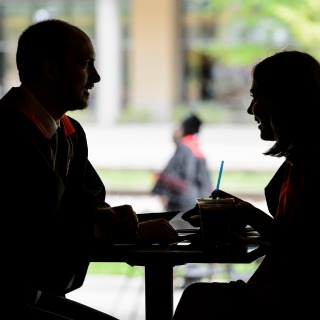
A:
[42,40]
[290,81]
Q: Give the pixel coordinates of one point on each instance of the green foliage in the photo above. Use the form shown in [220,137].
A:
[254,182]
[243,54]
[115,268]
[249,29]
[134,114]
[143,180]
[212,111]
[131,180]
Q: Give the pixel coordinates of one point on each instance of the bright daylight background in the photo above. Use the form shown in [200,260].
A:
[160,60]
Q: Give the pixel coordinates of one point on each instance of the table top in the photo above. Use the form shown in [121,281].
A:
[178,253]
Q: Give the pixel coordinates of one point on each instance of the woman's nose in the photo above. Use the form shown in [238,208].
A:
[250,108]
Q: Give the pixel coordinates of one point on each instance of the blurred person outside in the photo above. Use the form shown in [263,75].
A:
[186,176]
[53,201]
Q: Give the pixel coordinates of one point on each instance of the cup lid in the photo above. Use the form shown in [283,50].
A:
[211,200]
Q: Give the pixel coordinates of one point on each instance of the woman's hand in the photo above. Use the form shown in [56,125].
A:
[240,219]
[193,216]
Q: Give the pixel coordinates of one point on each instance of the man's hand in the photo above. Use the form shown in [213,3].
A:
[120,221]
[157,230]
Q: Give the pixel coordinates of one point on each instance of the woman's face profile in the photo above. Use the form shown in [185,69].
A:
[260,107]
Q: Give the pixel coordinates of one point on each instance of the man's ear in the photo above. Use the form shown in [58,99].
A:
[50,69]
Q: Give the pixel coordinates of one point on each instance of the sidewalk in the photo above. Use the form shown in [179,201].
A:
[120,296]
[140,146]
[124,297]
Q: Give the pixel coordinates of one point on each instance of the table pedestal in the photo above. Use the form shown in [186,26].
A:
[159,291]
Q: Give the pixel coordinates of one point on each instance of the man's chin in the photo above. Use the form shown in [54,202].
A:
[81,106]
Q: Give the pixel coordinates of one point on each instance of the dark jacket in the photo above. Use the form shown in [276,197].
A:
[290,263]
[46,219]
[186,177]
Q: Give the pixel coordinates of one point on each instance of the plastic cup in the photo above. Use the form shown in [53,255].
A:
[216,217]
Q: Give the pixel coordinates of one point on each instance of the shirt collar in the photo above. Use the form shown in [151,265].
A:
[44,120]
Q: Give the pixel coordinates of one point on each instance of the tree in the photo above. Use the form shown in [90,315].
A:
[249,29]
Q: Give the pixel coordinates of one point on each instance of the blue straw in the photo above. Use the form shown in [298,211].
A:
[219,178]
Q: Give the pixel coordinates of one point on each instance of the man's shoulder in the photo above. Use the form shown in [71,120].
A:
[11,117]
[9,106]
[13,96]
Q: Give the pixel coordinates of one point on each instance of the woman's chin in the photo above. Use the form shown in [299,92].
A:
[265,135]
